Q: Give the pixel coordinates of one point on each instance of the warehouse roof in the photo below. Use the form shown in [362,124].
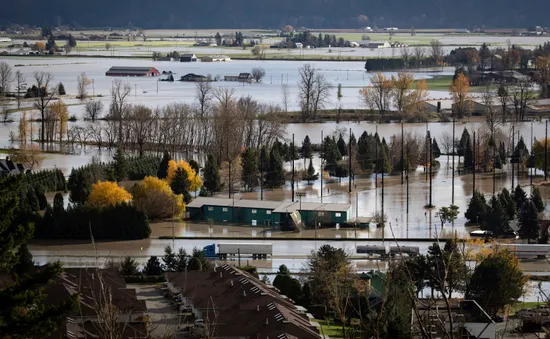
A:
[276,206]
[130,70]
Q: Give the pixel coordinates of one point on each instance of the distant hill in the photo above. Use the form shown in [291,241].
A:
[197,14]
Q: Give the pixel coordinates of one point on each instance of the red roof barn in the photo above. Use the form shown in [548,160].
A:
[120,71]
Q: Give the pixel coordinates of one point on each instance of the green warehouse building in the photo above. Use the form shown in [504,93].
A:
[267,213]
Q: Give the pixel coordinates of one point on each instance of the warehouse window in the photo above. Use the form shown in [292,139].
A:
[320,214]
[338,214]
[268,212]
[253,211]
[210,208]
[224,209]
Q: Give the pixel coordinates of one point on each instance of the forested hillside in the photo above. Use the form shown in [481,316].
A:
[193,14]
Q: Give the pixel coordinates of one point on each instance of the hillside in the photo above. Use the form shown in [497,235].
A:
[192,14]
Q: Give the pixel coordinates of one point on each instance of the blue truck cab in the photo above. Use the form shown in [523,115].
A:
[209,251]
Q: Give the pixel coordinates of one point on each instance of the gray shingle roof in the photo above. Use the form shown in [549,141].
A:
[276,206]
[129,70]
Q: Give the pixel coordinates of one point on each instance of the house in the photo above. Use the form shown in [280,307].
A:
[268,213]
[97,288]
[8,167]
[299,45]
[378,44]
[128,71]
[240,305]
[190,77]
[5,39]
[242,77]
[215,58]
[353,44]
[188,58]
[539,106]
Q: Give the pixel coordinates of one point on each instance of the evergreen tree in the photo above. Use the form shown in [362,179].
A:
[383,163]
[496,219]
[58,204]
[275,177]
[50,44]
[502,153]
[120,166]
[364,152]
[32,200]
[310,174]
[26,292]
[537,199]
[72,41]
[79,185]
[468,156]
[520,152]
[61,89]
[477,208]
[520,197]
[528,221]
[331,155]
[211,174]
[250,171]
[182,259]
[218,38]
[129,266]
[25,262]
[195,264]
[180,184]
[163,168]
[153,266]
[307,150]
[169,259]
[464,139]
[342,148]
[436,152]
[508,203]
[195,165]
[41,195]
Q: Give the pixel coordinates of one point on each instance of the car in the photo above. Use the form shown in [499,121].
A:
[481,233]
[498,319]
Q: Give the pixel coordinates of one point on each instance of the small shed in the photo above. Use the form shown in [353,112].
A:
[193,77]
[188,58]
[125,71]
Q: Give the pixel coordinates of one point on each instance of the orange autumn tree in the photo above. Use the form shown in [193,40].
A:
[460,94]
[195,182]
[155,197]
[107,193]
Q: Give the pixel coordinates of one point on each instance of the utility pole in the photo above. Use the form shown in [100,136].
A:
[229,162]
[292,154]
[402,157]
[407,183]
[546,151]
[349,160]
[474,162]
[321,171]
[512,157]
[426,155]
[261,174]
[532,168]
[453,169]
[376,158]
[431,163]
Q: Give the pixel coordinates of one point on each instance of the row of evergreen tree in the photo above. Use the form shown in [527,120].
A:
[496,215]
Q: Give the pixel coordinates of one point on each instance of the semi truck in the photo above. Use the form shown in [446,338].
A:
[528,251]
[257,251]
[388,251]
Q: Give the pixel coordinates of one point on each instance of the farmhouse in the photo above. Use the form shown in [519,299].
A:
[242,305]
[193,77]
[188,58]
[268,213]
[124,71]
[242,77]
[8,167]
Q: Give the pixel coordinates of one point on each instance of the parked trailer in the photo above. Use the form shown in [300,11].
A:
[224,250]
[387,251]
[528,251]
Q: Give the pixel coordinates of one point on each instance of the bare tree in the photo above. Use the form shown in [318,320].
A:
[20,80]
[258,73]
[520,95]
[46,93]
[82,83]
[6,77]
[285,97]
[313,91]
[492,116]
[406,55]
[29,155]
[419,54]
[140,120]
[504,98]
[119,93]
[378,96]
[93,109]
[259,51]
[436,51]
[402,84]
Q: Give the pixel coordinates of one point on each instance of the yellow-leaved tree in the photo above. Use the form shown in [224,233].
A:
[154,196]
[195,182]
[107,193]
[460,93]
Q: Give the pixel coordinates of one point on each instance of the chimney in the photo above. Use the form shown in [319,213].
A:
[244,293]
[439,107]
[258,308]
[221,274]
[266,321]
[231,282]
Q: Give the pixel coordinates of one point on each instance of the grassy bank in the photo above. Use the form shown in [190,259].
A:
[330,115]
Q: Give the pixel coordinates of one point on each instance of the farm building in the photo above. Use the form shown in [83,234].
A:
[193,77]
[188,58]
[242,77]
[123,71]
[267,213]
[215,58]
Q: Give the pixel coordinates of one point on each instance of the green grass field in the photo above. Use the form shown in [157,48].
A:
[330,329]
[439,82]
